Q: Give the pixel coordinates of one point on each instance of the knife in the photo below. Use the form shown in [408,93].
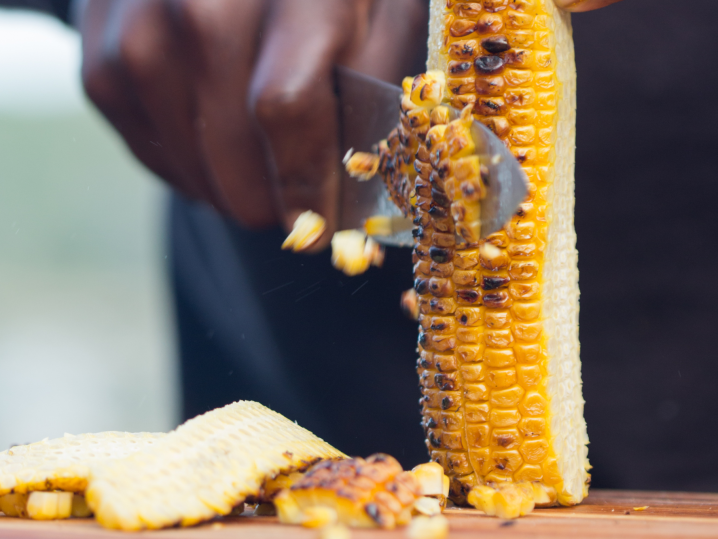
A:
[368,111]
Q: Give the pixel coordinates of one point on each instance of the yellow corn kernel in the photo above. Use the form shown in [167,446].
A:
[14,505]
[307,230]
[353,252]
[49,505]
[424,527]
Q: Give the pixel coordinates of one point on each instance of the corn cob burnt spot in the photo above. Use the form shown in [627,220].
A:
[498,345]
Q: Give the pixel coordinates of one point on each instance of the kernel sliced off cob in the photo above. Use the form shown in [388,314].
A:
[38,480]
[361,493]
[202,469]
[499,355]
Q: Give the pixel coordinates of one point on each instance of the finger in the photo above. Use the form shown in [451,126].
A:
[583,5]
[151,57]
[223,36]
[292,97]
[106,86]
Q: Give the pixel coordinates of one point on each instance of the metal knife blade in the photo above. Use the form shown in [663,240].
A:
[368,111]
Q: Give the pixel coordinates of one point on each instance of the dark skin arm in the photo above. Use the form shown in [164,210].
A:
[232,102]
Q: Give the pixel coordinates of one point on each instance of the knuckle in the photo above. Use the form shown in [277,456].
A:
[137,57]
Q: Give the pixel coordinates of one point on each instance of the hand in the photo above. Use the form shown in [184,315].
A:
[232,102]
[583,5]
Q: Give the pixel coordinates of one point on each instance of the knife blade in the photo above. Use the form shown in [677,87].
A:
[368,111]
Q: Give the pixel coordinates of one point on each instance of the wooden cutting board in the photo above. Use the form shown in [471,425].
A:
[605,513]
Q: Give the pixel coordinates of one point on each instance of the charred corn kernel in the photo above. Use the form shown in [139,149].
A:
[14,505]
[49,505]
[498,338]
[202,469]
[64,463]
[361,493]
[79,507]
[335,531]
[423,527]
[362,165]
[410,304]
[307,230]
[353,252]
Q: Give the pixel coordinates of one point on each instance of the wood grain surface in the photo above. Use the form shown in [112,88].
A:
[605,513]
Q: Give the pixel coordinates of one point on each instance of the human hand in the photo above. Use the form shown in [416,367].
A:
[583,5]
[232,101]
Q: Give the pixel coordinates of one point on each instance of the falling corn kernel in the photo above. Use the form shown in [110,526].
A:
[353,252]
[410,304]
[642,508]
[307,230]
[423,527]
[362,166]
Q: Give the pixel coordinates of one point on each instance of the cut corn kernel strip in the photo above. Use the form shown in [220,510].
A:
[353,252]
[63,463]
[202,469]
[307,230]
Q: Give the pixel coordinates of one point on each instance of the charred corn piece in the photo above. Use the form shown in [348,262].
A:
[64,463]
[357,492]
[499,359]
[353,252]
[202,469]
[307,230]
[49,505]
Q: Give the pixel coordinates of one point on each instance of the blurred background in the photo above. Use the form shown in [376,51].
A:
[85,335]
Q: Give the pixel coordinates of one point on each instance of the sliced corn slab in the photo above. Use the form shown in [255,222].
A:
[64,463]
[203,469]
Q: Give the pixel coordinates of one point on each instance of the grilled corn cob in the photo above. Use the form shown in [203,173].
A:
[499,355]
[202,469]
[362,493]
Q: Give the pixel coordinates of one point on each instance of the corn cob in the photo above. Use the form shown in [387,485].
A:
[202,469]
[499,355]
[64,463]
[358,493]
